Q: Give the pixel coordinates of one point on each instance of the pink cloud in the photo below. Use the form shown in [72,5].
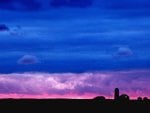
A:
[70,85]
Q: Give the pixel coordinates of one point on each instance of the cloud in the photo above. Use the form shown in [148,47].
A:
[71,3]
[124,4]
[71,85]
[20,5]
[88,45]
[40,4]
[27,59]
[3,27]
[124,51]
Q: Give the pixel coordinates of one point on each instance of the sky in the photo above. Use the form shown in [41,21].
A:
[74,48]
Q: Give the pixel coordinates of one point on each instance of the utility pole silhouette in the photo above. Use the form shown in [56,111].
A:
[116,94]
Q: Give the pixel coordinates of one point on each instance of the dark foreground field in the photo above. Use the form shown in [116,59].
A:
[74,105]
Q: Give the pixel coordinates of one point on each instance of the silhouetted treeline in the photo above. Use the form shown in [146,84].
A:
[70,105]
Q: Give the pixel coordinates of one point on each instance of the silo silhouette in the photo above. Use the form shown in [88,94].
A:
[116,94]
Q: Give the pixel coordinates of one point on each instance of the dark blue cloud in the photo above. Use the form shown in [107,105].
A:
[124,4]
[75,40]
[20,4]
[3,27]
[71,3]
[27,59]
[104,4]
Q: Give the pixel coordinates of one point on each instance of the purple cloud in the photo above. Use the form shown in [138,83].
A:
[71,85]
[28,59]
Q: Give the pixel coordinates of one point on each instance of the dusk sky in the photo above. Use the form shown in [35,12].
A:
[74,48]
